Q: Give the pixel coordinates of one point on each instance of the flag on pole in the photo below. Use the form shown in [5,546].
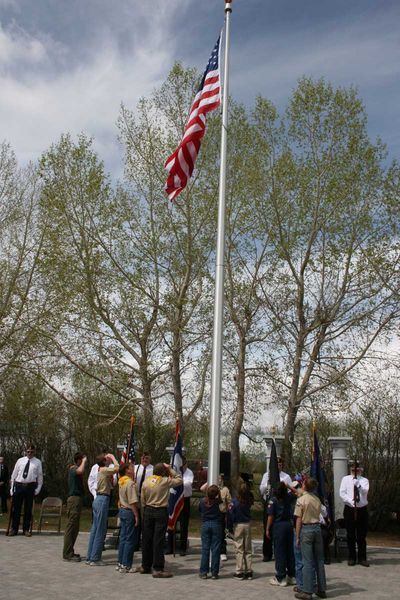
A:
[181,163]
[274,477]
[317,471]
[128,454]
[176,498]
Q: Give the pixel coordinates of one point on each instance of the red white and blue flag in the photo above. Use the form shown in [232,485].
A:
[128,454]
[181,163]
[176,498]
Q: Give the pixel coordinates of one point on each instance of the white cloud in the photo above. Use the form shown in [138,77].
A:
[38,104]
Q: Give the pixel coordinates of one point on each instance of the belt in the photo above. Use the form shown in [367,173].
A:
[26,484]
[310,524]
[100,494]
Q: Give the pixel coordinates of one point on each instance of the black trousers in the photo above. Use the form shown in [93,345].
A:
[267,542]
[23,494]
[3,496]
[154,528]
[223,536]
[184,518]
[357,528]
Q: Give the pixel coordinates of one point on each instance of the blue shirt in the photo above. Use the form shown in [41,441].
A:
[240,512]
[209,512]
[281,510]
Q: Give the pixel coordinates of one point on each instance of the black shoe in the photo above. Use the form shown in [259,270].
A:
[182,553]
[363,563]
[351,563]
[321,594]
[266,559]
[214,576]
[239,575]
[11,533]
[73,559]
[248,575]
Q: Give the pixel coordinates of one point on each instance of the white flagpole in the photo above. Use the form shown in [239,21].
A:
[216,376]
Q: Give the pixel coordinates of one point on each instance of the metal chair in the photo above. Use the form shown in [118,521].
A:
[340,541]
[51,509]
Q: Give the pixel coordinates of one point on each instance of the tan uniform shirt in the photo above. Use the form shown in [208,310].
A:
[155,489]
[226,499]
[105,480]
[128,494]
[308,508]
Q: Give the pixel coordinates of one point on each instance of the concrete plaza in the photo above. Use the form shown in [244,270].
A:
[33,568]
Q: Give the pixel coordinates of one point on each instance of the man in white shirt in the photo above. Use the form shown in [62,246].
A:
[354,493]
[143,470]
[264,489]
[26,482]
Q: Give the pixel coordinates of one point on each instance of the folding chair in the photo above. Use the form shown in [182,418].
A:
[340,542]
[51,509]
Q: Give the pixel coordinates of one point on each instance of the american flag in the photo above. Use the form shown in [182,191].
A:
[180,164]
[128,454]
[176,498]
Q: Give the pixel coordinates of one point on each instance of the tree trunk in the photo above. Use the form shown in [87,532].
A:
[239,413]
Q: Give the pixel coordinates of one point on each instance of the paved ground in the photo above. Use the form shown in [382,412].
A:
[33,568]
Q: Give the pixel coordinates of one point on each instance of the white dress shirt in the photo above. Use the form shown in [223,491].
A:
[139,473]
[92,480]
[187,477]
[35,473]
[347,490]
[265,482]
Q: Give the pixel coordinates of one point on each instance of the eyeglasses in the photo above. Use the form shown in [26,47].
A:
[30,451]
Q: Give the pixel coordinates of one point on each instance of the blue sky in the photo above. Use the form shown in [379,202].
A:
[66,65]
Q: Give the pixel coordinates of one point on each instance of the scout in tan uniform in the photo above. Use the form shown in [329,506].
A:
[128,516]
[154,502]
[308,536]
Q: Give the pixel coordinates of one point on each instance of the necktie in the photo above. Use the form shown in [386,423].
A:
[26,469]
[142,479]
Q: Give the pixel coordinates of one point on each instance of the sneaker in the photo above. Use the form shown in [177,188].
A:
[303,596]
[73,559]
[162,574]
[249,575]
[239,575]
[275,581]
[87,562]
[11,533]
[117,568]
[97,563]
[290,580]
[131,570]
[203,576]
[224,557]
[28,533]
[122,569]
[214,576]
[321,594]
[363,563]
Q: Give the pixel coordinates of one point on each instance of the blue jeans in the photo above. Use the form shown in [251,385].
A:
[99,528]
[210,541]
[312,550]
[283,549]
[298,561]
[127,537]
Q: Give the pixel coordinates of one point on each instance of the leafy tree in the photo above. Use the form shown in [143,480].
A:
[328,211]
